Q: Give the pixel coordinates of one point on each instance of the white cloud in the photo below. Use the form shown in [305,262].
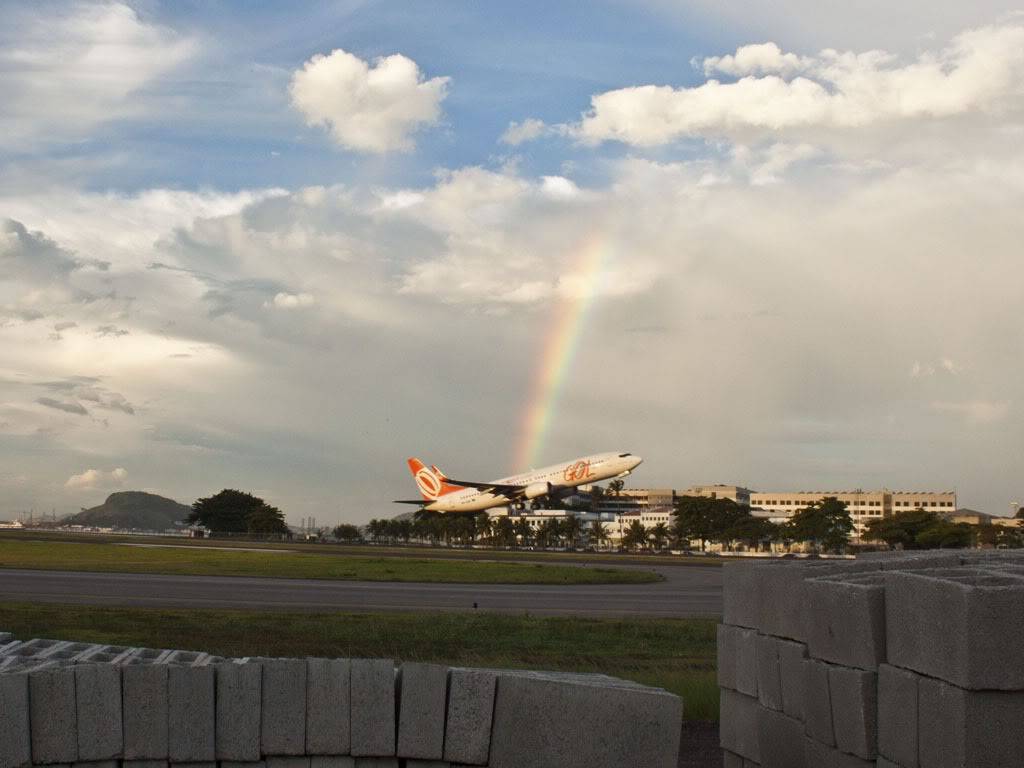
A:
[292,300]
[529,129]
[975,411]
[980,71]
[94,479]
[369,109]
[65,70]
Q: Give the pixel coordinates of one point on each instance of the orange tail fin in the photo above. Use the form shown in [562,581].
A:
[430,480]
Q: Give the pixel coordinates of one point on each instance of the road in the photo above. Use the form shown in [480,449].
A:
[686,591]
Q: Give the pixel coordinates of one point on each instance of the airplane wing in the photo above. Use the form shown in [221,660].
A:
[508,491]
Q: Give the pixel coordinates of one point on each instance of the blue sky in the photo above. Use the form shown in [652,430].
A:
[245,246]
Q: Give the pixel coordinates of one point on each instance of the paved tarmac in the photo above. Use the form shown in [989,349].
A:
[686,591]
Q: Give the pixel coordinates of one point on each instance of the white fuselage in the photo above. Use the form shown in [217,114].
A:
[569,474]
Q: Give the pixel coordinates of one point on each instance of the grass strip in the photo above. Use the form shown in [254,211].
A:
[65,556]
[675,654]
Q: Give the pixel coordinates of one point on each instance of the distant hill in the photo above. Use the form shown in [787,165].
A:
[132,509]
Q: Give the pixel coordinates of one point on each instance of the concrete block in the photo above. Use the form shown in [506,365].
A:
[334,761]
[818,703]
[283,725]
[287,761]
[731,760]
[738,725]
[781,593]
[328,683]
[470,714]
[427,764]
[854,696]
[238,764]
[53,716]
[821,756]
[238,711]
[769,675]
[144,711]
[845,623]
[881,762]
[780,740]
[98,704]
[897,715]
[540,721]
[98,764]
[726,654]
[376,762]
[373,707]
[791,672]
[964,626]
[191,714]
[15,743]
[144,764]
[203,764]
[968,729]
[740,595]
[745,643]
[423,691]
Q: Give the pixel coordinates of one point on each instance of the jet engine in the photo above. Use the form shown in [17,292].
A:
[534,490]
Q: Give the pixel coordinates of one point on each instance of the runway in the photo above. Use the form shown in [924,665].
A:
[686,591]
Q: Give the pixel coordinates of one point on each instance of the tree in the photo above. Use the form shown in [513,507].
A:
[504,532]
[753,531]
[572,527]
[1000,536]
[232,511]
[598,533]
[347,532]
[596,497]
[524,531]
[826,524]
[705,519]
[658,535]
[615,487]
[482,526]
[918,529]
[377,529]
[549,533]
[946,535]
[635,536]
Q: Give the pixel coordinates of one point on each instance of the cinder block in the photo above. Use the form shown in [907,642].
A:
[203,764]
[738,724]
[726,655]
[470,714]
[845,620]
[191,714]
[426,763]
[238,711]
[769,675]
[283,726]
[897,715]
[781,593]
[745,643]
[818,703]
[98,764]
[144,701]
[327,707]
[373,707]
[333,761]
[820,756]
[15,743]
[961,626]
[98,704]
[287,761]
[237,764]
[780,740]
[740,595]
[376,762]
[538,721]
[730,760]
[881,762]
[53,715]
[793,676]
[144,764]
[423,691]
[854,696]
[968,729]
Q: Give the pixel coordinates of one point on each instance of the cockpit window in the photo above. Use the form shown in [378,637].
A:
[624,455]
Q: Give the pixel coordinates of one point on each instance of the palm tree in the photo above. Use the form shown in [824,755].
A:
[482,524]
[550,532]
[572,527]
[615,487]
[659,534]
[523,531]
[635,536]
[504,532]
[598,533]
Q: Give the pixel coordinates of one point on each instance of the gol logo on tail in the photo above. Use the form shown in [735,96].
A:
[429,483]
[576,472]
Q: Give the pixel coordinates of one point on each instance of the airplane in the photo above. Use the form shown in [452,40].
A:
[443,494]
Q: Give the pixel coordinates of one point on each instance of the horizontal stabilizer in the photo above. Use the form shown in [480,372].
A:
[417,502]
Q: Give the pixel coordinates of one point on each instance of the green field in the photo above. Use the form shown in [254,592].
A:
[676,654]
[74,556]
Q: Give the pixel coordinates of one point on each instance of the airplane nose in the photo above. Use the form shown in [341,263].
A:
[637,461]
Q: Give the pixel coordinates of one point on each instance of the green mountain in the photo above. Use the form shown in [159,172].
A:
[132,509]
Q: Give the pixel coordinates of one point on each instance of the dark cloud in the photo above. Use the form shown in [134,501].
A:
[76,408]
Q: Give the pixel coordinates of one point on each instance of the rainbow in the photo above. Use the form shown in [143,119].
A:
[579,286]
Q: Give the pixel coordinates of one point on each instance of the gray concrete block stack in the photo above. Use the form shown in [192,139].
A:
[898,661]
[77,705]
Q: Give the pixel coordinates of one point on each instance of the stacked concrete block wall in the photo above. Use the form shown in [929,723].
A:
[65,705]
[907,660]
